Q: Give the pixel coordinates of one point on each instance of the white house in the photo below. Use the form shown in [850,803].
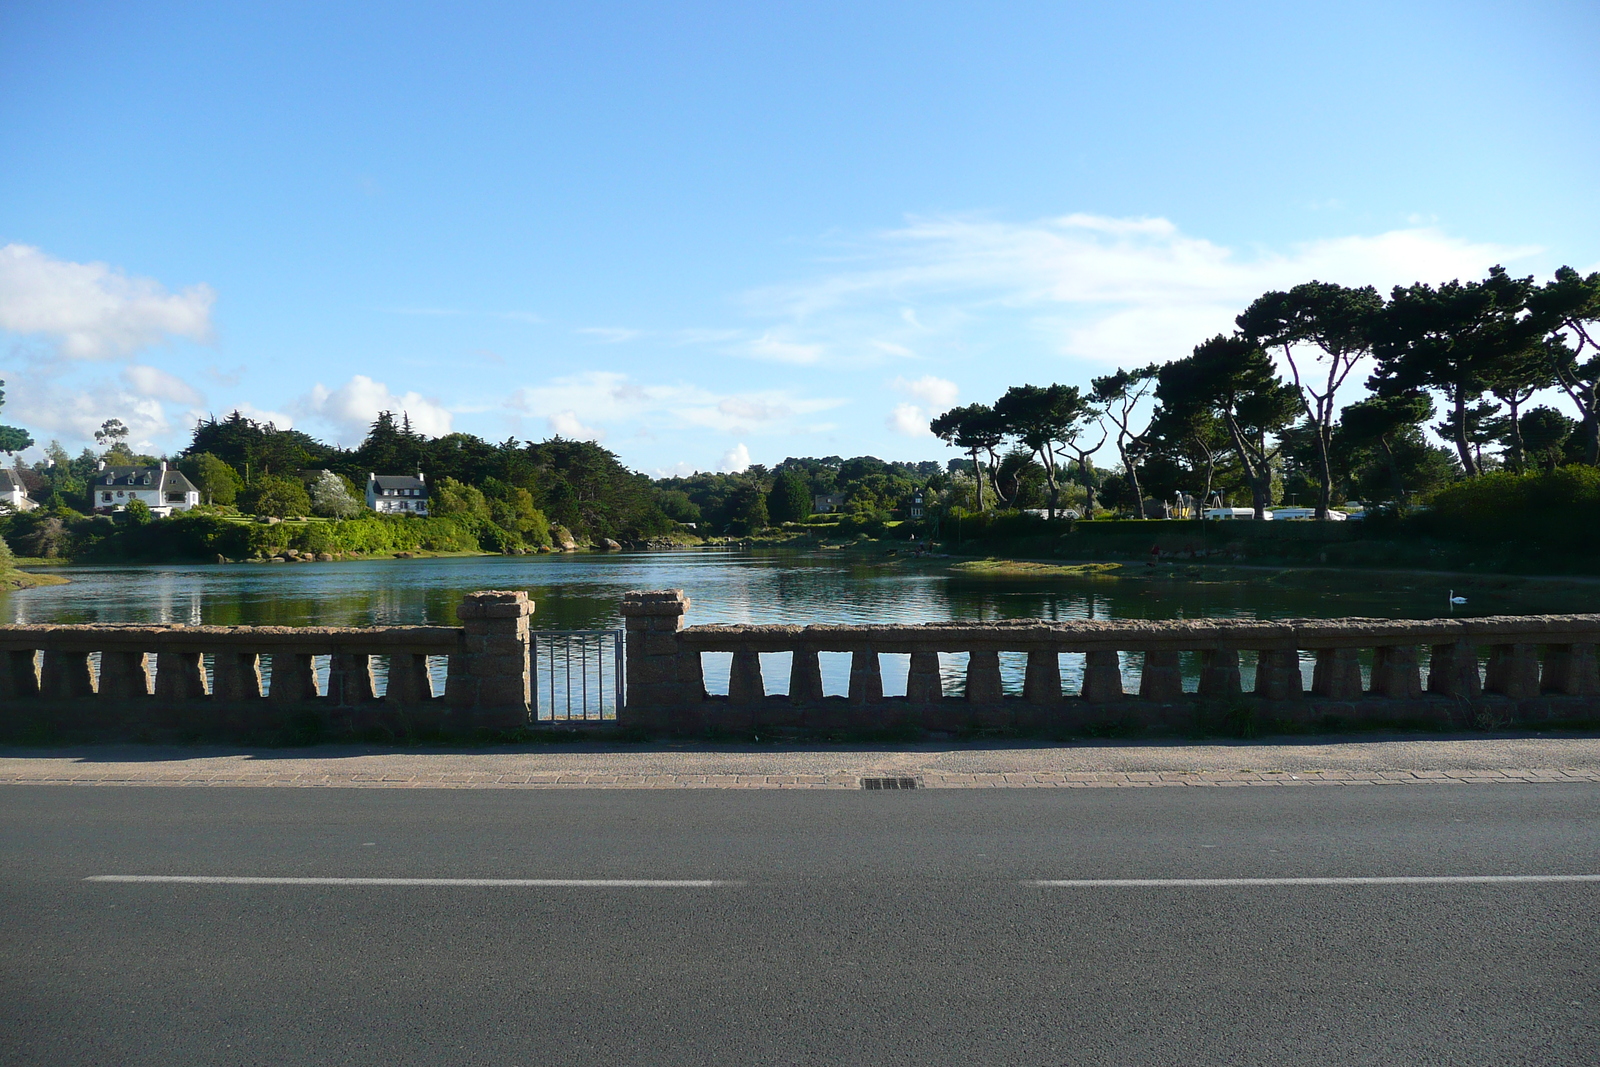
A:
[163,489]
[14,493]
[398,494]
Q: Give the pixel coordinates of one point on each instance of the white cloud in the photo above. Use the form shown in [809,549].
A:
[73,412]
[910,420]
[935,392]
[1097,289]
[263,416]
[93,310]
[354,405]
[566,424]
[609,398]
[736,459]
[775,348]
[154,382]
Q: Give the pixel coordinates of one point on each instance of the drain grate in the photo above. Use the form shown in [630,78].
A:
[888,783]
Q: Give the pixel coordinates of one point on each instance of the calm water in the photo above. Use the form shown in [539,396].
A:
[581,591]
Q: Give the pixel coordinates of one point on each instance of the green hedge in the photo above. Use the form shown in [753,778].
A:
[1557,509]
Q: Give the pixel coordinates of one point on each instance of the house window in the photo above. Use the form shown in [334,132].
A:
[106,497]
[174,498]
[119,494]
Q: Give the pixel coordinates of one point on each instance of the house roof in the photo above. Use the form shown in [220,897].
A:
[9,482]
[398,481]
[166,481]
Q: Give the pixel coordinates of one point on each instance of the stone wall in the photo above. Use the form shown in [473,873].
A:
[1487,671]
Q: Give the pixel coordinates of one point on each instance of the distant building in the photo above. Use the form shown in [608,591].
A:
[162,489]
[823,503]
[14,492]
[397,494]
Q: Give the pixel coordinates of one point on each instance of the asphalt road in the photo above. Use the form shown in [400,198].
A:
[874,928]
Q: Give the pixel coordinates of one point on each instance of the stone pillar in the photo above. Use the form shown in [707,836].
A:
[665,685]
[1042,682]
[924,684]
[179,676]
[1162,678]
[1395,673]
[235,676]
[1570,669]
[1338,674]
[66,676]
[19,674]
[983,678]
[805,677]
[866,680]
[124,675]
[745,684]
[1513,671]
[1453,671]
[489,685]
[292,680]
[1102,677]
[350,678]
[1219,673]
[1278,674]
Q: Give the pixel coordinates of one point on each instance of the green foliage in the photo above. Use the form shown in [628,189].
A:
[218,482]
[450,497]
[277,496]
[1557,509]
[138,513]
[790,498]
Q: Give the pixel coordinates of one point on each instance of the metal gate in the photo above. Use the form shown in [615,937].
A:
[577,675]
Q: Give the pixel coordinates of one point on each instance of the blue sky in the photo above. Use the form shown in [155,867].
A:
[709,234]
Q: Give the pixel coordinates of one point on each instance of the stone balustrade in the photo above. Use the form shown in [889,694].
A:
[1539,668]
[263,678]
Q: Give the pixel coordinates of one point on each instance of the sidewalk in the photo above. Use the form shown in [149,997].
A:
[1429,759]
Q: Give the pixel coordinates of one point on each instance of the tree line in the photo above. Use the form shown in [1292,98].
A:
[1254,411]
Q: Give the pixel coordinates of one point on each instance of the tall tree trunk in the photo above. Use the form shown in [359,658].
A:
[1133,480]
[1519,452]
[977,475]
[1324,473]
[1463,447]
[1257,471]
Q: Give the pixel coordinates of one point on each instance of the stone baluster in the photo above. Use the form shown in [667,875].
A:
[983,678]
[235,676]
[1513,671]
[350,679]
[488,685]
[66,675]
[1337,675]
[1219,673]
[745,684]
[866,679]
[19,674]
[1278,674]
[409,681]
[665,683]
[292,681]
[805,677]
[124,675]
[1161,679]
[1571,670]
[180,676]
[1041,684]
[1395,673]
[1453,671]
[1102,677]
[924,683]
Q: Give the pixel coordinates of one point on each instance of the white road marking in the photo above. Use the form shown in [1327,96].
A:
[514,883]
[1450,879]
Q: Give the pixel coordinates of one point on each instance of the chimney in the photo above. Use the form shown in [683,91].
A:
[102,466]
[163,465]
[421,477]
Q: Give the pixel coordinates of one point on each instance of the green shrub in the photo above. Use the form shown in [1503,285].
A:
[1558,509]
